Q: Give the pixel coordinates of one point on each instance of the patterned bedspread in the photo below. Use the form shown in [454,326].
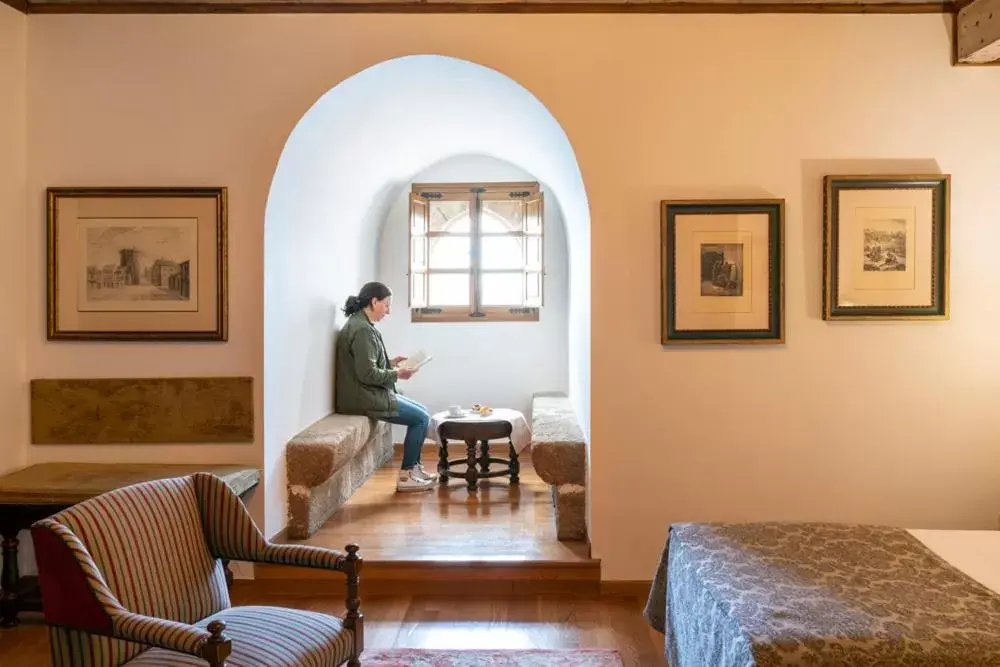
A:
[817,594]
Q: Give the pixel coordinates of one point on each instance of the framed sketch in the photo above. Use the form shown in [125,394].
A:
[723,271]
[885,247]
[137,264]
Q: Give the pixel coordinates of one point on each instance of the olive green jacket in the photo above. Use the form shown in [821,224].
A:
[366,384]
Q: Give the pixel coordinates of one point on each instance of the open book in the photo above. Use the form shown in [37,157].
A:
[413,362]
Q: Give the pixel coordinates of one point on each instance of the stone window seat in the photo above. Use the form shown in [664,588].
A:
[327,463]
[559,456]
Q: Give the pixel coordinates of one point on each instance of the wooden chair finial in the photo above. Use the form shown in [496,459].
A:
[218,647]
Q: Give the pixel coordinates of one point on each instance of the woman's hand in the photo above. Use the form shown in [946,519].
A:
[404,373]
[396,361]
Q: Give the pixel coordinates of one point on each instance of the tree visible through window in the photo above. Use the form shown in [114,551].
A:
[476,251]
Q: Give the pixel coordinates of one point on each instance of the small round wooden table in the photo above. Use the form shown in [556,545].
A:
[473,430]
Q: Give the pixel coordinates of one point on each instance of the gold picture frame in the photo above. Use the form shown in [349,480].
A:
[722,271]
[886,247]
[137,263]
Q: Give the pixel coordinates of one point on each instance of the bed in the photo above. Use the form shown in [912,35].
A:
[827,595]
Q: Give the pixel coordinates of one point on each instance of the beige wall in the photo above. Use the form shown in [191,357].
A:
[13,230]
[872,422]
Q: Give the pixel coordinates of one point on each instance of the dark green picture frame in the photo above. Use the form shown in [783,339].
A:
[887,189]
[774,332]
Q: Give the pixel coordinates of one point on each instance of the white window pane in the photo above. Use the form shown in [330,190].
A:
[418,253]
[502,289]
[533,252]
[418,290]
[502,216]
[448,289]
[418,216]
[533,215]
[502,252]
[449,252]
[450,216]
[533,289]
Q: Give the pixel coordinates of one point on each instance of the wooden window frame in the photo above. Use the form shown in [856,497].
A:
[421,196]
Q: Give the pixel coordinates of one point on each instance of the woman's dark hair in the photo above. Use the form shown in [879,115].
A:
[372,290]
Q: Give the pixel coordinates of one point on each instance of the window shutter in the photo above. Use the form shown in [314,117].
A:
[534,261]
[418,251]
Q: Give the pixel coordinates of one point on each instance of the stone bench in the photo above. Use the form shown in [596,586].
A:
[559,456]
[327,463]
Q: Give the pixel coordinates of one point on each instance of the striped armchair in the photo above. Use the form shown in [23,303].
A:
[134,577]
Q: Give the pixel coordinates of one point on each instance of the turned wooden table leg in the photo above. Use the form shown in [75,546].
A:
[10,579]
[515,465]
[443,461]
[471,474]
[484,456]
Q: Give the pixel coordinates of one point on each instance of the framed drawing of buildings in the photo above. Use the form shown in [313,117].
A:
[723,268]
[885,247]
[137,264]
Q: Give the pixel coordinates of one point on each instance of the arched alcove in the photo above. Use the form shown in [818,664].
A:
[334,182]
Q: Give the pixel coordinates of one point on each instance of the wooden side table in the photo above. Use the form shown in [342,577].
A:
[44,489]
[481,431]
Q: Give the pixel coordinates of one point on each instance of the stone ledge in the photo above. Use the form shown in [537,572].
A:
[558,448]
[327,463]
[318,452]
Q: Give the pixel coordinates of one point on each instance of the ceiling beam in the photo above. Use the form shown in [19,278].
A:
[490,6]
[19,5]
[977,32]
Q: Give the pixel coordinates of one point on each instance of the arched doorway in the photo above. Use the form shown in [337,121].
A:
[339,169]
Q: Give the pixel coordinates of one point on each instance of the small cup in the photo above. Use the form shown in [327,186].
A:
[455,410]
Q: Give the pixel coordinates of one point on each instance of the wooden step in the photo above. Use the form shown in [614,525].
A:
[446,577]
[498,540]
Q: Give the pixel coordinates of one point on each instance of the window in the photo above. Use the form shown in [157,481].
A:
[476,252]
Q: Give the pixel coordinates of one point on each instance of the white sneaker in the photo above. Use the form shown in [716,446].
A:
[433,476]
[412,480]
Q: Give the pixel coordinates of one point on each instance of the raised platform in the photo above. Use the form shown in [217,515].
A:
[499,540]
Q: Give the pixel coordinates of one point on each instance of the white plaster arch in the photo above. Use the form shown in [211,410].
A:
[346,154]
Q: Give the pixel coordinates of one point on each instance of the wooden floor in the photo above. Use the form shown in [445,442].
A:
[429,621]
[499,521]
[501,537]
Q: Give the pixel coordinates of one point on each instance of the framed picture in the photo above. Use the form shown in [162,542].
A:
[723,271]
[885,247]
[137,264]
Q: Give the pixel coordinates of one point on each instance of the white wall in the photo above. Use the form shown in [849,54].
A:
[313,260]
[493,363]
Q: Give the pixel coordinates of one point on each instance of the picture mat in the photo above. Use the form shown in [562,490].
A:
[70,211]
[912,287]
[750,228]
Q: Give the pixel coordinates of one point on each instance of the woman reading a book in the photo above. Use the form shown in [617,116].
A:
[366,381]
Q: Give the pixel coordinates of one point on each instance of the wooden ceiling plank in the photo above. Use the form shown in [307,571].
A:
[19,5]
[977,32]
[491,6]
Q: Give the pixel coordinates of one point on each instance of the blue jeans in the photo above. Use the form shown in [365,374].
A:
[415,418]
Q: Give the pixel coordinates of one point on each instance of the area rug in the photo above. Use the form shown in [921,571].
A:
[411,657]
